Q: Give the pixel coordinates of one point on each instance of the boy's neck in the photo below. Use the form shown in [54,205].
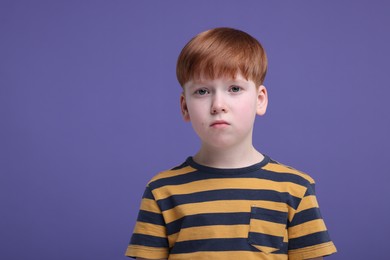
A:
[228,158]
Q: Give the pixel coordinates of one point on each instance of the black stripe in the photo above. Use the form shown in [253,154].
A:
[181,166]
[309,240]
[265,240]
[150,217]
[199,175]
[305,216]
[208,220]
[147,240]
[228,194]
[219,244]
[310,190]
[148,194]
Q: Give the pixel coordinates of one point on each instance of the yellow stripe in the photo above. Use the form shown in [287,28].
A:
[228,255]
[173,238]
[215,231]
[220,206]
[149,205]
[172,173]
[267,227]
[285,237]
[208,232]
[307,228]
[150,229]
[285,169]
[147,252]
[307,203]
[265,249]
[238,183]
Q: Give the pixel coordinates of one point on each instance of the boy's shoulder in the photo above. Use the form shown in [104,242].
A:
[281,168]
[181,169]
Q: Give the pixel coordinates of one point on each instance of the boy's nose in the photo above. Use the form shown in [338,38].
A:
[218,106]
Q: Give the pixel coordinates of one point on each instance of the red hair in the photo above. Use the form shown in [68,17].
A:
[222,52]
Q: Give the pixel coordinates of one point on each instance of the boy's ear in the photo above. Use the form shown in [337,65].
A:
[262,100]
[184,109]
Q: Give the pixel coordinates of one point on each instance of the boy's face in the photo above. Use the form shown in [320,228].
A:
[222,111]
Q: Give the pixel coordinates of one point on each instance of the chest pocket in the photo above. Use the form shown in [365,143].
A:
[266,229]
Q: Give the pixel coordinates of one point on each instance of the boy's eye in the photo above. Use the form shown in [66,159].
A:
[202,92]
[235,88]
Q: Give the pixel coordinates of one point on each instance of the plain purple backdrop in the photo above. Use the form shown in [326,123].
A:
[89,109]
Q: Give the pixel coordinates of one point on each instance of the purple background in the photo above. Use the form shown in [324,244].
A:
[89,109]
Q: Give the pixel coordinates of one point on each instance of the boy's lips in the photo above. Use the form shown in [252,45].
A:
[219,123]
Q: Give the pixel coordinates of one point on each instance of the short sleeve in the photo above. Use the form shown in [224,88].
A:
[149,239]
[307,234]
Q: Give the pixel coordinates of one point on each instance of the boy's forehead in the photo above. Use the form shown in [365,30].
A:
[227,79]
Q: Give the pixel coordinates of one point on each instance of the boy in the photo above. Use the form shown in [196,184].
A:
[228,201]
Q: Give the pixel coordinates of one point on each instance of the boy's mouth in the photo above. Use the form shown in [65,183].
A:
[219,123]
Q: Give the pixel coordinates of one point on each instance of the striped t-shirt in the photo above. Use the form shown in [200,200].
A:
[264,211]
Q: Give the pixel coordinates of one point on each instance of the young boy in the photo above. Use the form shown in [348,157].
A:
[228,201]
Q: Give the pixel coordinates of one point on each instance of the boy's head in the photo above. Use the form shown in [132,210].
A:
[221,72]
[222,52]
